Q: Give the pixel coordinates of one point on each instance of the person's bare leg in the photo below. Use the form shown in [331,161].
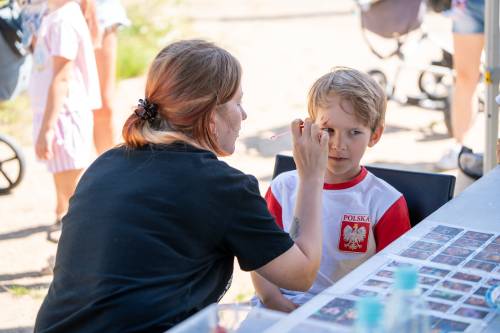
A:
[466,61]
[65,183]
[104,132]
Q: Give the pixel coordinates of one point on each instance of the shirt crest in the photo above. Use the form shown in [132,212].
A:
[354,232]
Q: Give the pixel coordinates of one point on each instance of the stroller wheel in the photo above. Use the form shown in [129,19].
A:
[435,86]
[381,79]
[12,164]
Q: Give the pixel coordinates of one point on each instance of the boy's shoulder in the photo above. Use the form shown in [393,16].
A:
[285,181]
[287,178]
[377,185]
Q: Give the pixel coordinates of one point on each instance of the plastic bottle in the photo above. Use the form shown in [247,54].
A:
[370,315]
[405,307]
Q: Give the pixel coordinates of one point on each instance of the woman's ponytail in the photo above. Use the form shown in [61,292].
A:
[132,131]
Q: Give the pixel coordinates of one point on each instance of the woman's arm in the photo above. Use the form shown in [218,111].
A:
[270,295]
[296,269]
[58,90]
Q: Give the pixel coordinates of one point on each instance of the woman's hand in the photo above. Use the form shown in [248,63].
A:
[310,149]
[297,268]
[43,146]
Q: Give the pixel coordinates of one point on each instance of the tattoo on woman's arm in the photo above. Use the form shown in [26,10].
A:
[295,229]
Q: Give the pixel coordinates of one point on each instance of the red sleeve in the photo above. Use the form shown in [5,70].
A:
[392,224]
[274,207]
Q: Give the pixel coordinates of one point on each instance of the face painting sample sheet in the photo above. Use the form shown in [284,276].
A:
[456,267]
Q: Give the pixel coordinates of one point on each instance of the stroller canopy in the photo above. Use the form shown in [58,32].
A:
[392,18]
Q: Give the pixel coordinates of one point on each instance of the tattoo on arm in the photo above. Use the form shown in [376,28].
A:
[295,229]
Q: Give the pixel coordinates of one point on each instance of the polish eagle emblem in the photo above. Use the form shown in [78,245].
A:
[354,236]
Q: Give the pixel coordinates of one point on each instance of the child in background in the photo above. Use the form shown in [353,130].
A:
[110,15]
[64,89]
[362,214]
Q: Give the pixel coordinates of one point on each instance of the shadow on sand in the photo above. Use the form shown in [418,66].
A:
[24,329]
[24,232]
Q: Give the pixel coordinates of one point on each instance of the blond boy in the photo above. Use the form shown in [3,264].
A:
[362,214]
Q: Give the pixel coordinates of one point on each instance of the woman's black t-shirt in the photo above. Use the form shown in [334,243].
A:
[150,238]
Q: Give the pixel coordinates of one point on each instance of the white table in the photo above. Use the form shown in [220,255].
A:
[478,207]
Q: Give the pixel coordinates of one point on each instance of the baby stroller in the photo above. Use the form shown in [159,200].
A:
[14,71]
[395,19]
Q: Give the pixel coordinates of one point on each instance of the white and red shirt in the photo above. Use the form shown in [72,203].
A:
[360,217]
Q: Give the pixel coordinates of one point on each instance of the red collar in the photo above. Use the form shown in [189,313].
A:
[350,183]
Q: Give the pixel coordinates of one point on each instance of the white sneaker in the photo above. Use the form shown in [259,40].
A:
[450,159]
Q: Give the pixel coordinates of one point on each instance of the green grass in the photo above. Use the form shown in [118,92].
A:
[21,291]
[10,111]
[18,291]
[243,297]
[139,43]
[15,118]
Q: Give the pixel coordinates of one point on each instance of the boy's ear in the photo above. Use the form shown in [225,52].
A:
[376,135]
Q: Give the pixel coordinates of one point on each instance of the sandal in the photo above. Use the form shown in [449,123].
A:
[54,232]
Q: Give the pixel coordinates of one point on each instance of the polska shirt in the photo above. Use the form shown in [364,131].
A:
[359,218]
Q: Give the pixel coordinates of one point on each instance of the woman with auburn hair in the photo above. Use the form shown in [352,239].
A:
[153,228]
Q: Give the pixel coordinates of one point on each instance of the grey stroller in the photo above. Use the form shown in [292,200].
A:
[394,20]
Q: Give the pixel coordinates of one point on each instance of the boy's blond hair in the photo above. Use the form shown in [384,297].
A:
[364,94]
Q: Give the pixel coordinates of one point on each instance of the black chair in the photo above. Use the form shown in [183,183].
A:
[424,192]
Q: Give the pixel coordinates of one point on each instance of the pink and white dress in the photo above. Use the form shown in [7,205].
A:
[64,33]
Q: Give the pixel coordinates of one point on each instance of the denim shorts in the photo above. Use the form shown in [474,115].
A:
[469,19]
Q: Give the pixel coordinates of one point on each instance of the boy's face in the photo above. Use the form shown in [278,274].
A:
[348,139]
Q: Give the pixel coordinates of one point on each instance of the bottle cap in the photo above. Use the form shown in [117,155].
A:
[493,297]
[369,311]
[406,278]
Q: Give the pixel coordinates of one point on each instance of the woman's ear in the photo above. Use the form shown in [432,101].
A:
[376,135]
[212,124]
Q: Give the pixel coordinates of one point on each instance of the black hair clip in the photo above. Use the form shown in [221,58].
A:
[146,110]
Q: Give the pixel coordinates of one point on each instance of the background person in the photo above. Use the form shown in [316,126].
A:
[63,91]
[110,16]
[468,42]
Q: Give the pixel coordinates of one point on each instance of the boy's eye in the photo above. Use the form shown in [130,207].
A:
[355,132]
[329,130]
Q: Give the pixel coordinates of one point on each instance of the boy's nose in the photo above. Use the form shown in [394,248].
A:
[243,114]
[337,142]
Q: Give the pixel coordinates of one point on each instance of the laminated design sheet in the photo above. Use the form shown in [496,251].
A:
[456,266]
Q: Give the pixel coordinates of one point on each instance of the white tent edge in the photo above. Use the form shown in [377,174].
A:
[492,79]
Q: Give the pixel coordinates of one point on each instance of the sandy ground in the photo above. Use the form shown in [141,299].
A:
[283,47]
